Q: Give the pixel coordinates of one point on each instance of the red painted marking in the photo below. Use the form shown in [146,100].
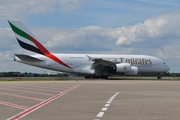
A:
[20,96]
[28,111]
[54,87]
[13,105]
[26,91]
[34,88]
[46,52]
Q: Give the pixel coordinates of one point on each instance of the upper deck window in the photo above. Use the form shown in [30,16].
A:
[77,57]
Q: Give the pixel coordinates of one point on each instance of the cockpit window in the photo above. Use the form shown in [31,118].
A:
[164,63]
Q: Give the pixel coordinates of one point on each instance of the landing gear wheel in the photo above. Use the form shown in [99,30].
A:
[96,77]
[159,77]
[104,77]
[87,77]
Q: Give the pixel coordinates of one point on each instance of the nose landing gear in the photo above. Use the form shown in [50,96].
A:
[159,77]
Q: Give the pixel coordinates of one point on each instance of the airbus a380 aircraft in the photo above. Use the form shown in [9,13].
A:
[93,65]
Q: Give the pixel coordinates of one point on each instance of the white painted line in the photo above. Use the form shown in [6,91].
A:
[112,98]
[100,114]
[104,109]
[106,105]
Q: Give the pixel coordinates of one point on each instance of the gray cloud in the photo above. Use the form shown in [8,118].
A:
[163,27]
[91,38]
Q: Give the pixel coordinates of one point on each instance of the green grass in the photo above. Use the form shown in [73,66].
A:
[81,78]
[40,78]
[143,78]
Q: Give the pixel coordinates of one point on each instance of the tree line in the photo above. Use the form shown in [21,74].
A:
[29,74]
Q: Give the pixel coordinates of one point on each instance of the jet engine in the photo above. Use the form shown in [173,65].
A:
[134,71]
[123,68]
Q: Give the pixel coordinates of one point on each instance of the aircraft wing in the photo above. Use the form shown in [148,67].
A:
[105,62]
[102,65]
[28,58]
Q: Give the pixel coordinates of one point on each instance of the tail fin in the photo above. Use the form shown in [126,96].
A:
[27,41]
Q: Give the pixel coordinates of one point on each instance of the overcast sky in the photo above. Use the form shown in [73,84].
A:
[149,27]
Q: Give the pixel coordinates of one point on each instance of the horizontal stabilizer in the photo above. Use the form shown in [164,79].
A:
[28,58]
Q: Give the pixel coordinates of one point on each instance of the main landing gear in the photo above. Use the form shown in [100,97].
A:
[159,77]
[96,77]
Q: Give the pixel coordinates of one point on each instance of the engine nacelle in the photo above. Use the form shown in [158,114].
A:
[123,68]
[134,71]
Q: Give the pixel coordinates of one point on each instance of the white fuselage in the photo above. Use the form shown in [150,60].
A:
[82,63]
